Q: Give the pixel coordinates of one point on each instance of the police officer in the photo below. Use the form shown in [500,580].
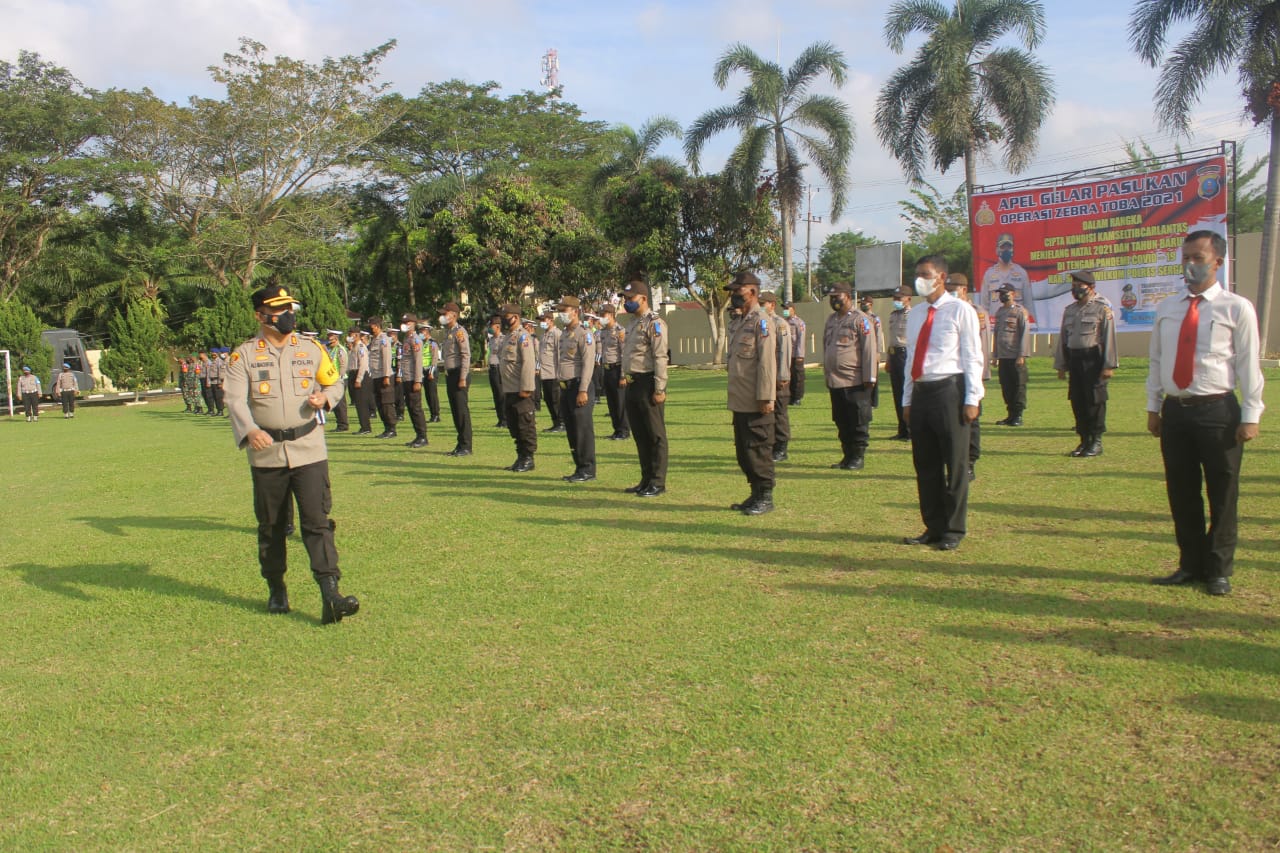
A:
[548,353]
[531,329]
[851,366]
[382,377]
[1012,346]
[575,370]
[613,338]
[430,369]
[223,359]
[410,378]
[753,388]
[206,390]
[455,355]
[781,415]
[362,393]
[865,304]
[958,286]
[397,386]
[644,365]
[493,343]
[278,383]
[518,361]
[798,346]
[341,359]
[29,390]
[1087,354]
[186,372]
[65,389]
[897,356]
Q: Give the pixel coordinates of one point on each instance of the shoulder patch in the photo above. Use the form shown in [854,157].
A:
[866,326]
[235,356]
[657,327]
[460,335]
[764,327]
[590,339]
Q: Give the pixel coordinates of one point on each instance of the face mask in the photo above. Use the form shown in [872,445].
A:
[1006,298]
[837,303]
[1005,255]
[562,317]
[607,321]
[542,324]
[737,300]
[1079,292]
[631,306]
[924,287]
[1196,274]
[898,305]
[786,312]
[283,323]
[513,323]
[350,340]
[444,321]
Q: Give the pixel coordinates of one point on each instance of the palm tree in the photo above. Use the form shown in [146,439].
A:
[1244,32]
[777,116]
[958,96]
[635,150]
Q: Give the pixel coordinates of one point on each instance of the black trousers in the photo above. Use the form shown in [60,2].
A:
[206,391]
[797,380]
[782,419]
[648,422]
[753,436]
[31,404]
[975,437]
[218,399]
[495,386]
[615,396]
[851,412]
[897,381]
[1087,391]
[459,406]
[400,396]
[940,452]
[579,424]
[68,402]
[551,396]
[1199,447]
[431,390]
[1013,385]
[308,485]
[521,416]
[413,402]
[385,395]
[363,399]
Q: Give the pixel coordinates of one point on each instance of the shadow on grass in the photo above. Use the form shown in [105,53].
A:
[1242,709]
[1090,514]
[118,525]
[73,581]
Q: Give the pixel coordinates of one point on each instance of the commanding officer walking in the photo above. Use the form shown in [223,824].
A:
[338,355]
[382,377]
[781,417]
[612,340]
[1012,346]
[644,367]
[410,376]
[851,366]
[1087,353]
[518,362]
[753,388]
[940,400]
[548,349]
[455,355]
[363,393]
[278,382]
[798,344]
[1204,344]
[575,370]
[897,362]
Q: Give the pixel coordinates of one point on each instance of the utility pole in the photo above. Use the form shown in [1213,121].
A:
[809,219]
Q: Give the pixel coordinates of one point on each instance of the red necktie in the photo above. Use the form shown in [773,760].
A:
[922,345]
[1184,362]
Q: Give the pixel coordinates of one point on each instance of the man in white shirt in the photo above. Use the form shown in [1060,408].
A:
[940,399]
[1204,346]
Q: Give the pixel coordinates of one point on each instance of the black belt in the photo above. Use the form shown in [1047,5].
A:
[898,350]
[1202,400]
[634,376]
[566,384]
[291,434]
[610,366]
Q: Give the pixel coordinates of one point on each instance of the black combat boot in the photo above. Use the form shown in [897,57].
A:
[763,504]
[749,502]
[522,464]
[1095,446]
[278,599]
[335,605]
[1085,441]
[780,452]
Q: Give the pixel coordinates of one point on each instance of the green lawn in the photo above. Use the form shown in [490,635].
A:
[539,665]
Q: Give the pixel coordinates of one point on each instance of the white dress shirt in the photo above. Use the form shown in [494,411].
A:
[1226,354]
[955,347]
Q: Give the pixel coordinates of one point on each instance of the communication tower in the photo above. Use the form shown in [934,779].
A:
[551,70]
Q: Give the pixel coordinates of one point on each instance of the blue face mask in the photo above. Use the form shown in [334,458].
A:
[631,307]
[898,305]
[1005,255]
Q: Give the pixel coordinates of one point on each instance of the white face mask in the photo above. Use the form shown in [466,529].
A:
[924,287]
[444,321]
[562,317]
[404,327]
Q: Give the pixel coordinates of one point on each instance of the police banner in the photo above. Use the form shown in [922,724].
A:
[1127,230]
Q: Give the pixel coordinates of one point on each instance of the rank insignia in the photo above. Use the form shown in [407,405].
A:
[264,388]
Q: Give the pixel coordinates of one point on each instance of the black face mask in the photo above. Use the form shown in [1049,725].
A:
[737,300]
[837,304]
[513,323]
[1079,292]
[284,323]
[1006,298]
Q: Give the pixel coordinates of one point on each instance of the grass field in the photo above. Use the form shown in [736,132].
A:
[539,665]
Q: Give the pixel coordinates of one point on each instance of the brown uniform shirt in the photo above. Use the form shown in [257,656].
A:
[380,356]
[66,381]
[267,388]
[517,361]
[611,340]
[576,355]
[547,352]
[410,364]
[456,350]
[786,350]
[753,361]
[898,328]
[645,350]
[1086,325]
[849,356]
[1013,332]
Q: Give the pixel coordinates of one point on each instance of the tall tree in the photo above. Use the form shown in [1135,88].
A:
[960,95]
[136,359]
[20,334]
[937,225]
[778,116]
[1241,32]
[635,150]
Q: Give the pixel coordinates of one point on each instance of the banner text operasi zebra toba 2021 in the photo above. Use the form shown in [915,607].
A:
[1126,230]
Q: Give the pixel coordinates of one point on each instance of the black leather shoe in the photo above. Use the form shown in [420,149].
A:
[417,442]
[1080,448]
[1003,422]
[580,477]
[922,539]
[651,492]
[1014,422]
[1179,578]
[946,545]
[1217,586]
[902,436]
[386,434]
[855,464]
[500,425]
[1094,449]
[365,432]
[341,429]
[524,463]
[761,505]
[434,420]
[746,503]
[335,605]
[843,464]
[637,488]
[278,600]
[972,474]
[779,456]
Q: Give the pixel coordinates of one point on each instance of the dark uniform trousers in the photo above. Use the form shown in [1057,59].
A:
[431,390]
[782,419]
[362,398]
[521,415]
[1087,391]
[68,402]
[1013,385]
[340,412]
[939,449]
[495,386]
[615,396]
[851,412]
[413,402]
[31,404]
[578,424]
[753,437]
[975,437]
[649,429]
[309,486]
[386,397]
[354,393]
[551,394]
[1196,439]
[459,407]
[400,397]
[797,380]
[206,391]
[219,400]
[897,381]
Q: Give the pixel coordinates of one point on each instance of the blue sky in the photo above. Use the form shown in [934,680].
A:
[623,63]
